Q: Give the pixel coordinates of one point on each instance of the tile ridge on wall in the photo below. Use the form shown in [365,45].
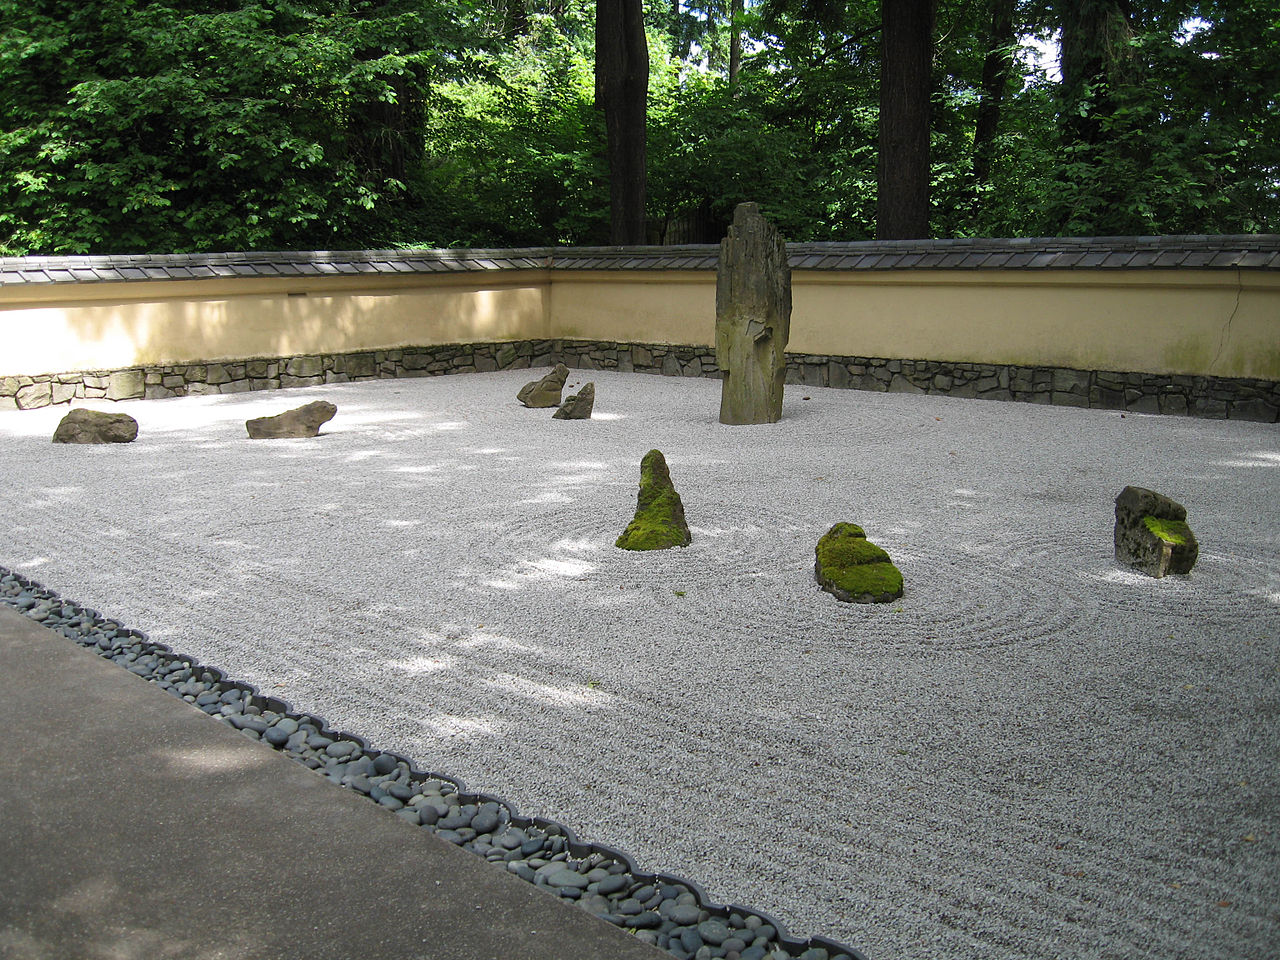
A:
[1249,251]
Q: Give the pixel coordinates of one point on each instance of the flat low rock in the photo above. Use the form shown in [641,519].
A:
[545,392]
[578,406]
[1151,533]
[853,569]
[95,426]
[304,421]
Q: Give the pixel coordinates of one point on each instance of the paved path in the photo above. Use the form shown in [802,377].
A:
[133,827]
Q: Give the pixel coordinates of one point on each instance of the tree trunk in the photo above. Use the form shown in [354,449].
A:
[996,69]
[902,210]
[622,86]
[1095,57]
[517,19]
[735,41]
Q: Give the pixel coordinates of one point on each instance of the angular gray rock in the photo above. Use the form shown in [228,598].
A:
[753,319]
[301,421]
[545,392]
[1151,533]
[95,426]
[578,406]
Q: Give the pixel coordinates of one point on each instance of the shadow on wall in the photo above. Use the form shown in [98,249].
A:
[186,322]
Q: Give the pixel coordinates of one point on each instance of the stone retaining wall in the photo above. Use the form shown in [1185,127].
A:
[1211,397]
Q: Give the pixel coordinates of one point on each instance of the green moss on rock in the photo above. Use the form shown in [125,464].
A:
[659,521]
[1175,532]
[852,568]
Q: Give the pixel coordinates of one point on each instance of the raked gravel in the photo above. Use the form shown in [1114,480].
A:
[1033,754]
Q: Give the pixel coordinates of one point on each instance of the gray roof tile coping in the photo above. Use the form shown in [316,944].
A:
[1248,252]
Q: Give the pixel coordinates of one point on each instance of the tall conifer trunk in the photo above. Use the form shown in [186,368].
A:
[622,86]
[902,205]
[996,68]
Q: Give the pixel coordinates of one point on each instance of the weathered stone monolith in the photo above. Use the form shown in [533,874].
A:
[1152,534]
[853,569]
[95,426]
[753,318]
[304,421]
[578,406]
[659,521]
[545,392]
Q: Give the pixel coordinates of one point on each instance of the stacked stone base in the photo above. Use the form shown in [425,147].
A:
[1209,397]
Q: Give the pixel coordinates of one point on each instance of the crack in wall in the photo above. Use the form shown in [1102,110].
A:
[1226,326]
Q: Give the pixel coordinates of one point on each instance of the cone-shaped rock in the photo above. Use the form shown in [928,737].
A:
[1152,534]
[659,521]
[301,421]
[545,392]
[852,568]
[578,406]
[95,426]
[753,318]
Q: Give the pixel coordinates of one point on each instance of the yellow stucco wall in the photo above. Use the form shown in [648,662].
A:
[642,306]
[104,326]
[1190,322]
[1223,322]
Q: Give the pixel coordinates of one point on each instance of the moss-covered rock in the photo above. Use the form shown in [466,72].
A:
[852,568]
[1152,534]
[659,521]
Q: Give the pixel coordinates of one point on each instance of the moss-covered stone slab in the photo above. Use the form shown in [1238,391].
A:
[659,521]
[1152,535]
[853,569]
[545,392]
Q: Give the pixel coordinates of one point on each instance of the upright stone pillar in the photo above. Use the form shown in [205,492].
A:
[753,318]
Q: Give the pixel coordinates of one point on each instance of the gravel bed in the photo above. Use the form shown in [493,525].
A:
[667,912]
[1033,754]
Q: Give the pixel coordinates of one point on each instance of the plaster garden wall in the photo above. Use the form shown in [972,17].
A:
[1089,323]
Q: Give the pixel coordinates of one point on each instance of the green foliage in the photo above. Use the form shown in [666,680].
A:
[169,126]
[1188,136]
[150,127]
[515,153]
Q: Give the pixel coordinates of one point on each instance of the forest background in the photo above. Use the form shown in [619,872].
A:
[195,125]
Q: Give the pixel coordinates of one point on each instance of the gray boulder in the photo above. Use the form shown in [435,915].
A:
[545,392]
[1151,533]
[753,319]
[578,406]
[94,426]
[301,421]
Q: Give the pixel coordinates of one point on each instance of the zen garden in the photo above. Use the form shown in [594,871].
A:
[746,479]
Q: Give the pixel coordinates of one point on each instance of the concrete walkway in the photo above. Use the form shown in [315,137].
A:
[133,826]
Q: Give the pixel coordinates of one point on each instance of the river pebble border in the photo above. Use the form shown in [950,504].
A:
[668,912]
